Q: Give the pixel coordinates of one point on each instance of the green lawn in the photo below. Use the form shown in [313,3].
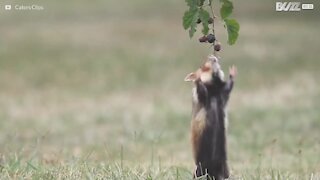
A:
[96,91]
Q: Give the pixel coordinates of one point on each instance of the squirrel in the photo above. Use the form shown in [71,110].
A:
[210,95]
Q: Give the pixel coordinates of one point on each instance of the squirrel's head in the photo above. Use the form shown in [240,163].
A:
[209,69]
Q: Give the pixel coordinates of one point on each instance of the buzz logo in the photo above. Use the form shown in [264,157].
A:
[292,6]
[288,6]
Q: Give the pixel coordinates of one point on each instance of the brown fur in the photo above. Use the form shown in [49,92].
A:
[198,124]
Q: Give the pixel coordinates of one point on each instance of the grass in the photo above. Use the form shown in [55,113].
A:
[96,91]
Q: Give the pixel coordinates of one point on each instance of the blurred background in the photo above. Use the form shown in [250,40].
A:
[95,89]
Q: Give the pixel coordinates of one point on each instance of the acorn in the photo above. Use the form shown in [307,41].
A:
[199,21]
[217,47]
[211,38]
[210,21]
[203,39]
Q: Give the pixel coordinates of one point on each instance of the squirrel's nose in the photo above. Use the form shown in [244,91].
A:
[213,59]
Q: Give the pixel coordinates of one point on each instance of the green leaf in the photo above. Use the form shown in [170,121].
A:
[204,16]
[190,20]
[189,17]
[226,9]
[233,28]
[192,4]
[192,30]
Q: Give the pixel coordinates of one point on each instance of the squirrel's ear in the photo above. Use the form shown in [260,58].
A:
[190,77]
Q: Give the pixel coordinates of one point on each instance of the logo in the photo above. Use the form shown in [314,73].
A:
[292,6]
[7,7]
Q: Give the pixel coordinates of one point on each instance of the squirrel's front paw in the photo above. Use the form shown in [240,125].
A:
[233,71]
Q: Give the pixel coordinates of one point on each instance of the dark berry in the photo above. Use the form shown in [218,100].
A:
[217,47]
[211,38]
[203,39]
[210,21]
[199,21]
